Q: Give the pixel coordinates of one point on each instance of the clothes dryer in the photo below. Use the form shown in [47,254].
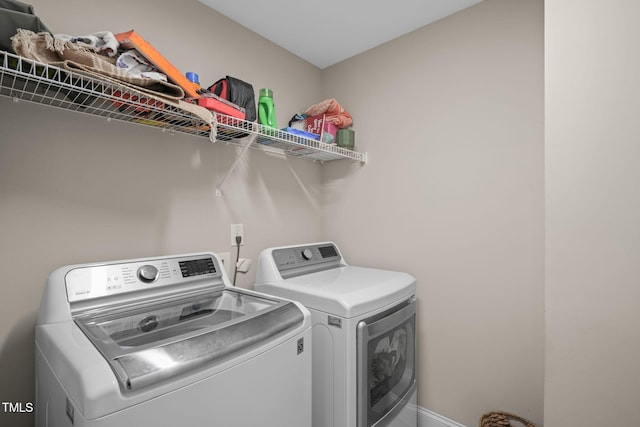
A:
[364,334]
[166,342]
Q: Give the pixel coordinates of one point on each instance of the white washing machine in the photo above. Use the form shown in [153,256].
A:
[364,334]
[166,342]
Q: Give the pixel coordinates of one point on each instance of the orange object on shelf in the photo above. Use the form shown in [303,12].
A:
[133,40]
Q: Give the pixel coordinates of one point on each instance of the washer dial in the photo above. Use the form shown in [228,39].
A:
[147,273]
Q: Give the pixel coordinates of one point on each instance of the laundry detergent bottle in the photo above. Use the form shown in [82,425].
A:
[266,108]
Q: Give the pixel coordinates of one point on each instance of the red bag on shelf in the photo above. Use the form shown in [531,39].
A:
[237,92]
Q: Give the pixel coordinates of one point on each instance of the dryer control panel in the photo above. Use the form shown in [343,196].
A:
[95,281]
[298,260]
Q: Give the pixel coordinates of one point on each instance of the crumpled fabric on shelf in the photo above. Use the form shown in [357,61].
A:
[333,111]
[102,41]
[136,65]
[43,47]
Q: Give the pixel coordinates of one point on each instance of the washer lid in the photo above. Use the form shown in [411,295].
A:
[346,291]
[153,342]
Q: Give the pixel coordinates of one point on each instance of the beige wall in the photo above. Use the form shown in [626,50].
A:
[592,213]
[451,116]
[75,188]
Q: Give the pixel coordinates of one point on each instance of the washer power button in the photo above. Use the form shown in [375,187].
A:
[147,273]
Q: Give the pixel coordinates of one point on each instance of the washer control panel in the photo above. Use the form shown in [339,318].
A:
[95,281]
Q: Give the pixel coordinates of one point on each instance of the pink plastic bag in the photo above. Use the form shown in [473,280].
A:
[334,113]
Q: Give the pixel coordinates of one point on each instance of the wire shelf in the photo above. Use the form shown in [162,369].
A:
[274,140]
[23,79]
[27,80]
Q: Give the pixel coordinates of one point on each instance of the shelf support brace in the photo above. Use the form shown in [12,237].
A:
[252,138]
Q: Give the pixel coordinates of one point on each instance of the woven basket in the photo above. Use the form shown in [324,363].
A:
[502,419]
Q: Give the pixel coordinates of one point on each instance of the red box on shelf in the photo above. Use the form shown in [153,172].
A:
[319,126]
[220,106]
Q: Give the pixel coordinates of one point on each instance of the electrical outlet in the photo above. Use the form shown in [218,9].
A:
[237,230]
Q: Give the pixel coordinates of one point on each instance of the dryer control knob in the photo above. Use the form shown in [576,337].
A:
[307,254]
[147,273]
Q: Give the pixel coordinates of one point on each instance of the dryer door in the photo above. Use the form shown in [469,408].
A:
[386,363]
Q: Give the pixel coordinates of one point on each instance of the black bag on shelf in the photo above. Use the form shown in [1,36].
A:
[238,92]
[14,15]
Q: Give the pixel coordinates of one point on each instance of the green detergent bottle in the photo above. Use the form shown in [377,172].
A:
[266,108]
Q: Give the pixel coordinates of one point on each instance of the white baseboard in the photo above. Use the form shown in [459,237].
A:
[427,418]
